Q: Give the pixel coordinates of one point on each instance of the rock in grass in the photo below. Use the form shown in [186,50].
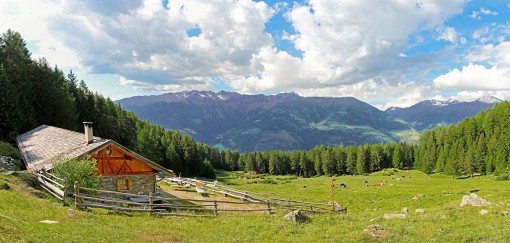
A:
[295,216]
[417,196]
[474,200]
[420,210]
[483,211]
[70,212]
[405,210]
[394,216]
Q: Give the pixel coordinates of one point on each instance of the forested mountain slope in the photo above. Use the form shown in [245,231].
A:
[432,113]
[277,122]
[480,144]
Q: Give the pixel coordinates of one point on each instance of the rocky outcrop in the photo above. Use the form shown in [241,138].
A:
[7,163]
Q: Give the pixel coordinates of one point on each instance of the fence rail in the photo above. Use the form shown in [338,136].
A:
[312,207]
[54,185]
[160,205]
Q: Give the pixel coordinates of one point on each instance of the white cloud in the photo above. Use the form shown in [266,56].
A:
[482,11]
[475,77]
[346,49]
[448,34]
[488,12]
[341,44]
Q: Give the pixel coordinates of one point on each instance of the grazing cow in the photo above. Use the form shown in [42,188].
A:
[304,186]
[343,185]
[399,179]
[366,182]
[403,176]
[378,184]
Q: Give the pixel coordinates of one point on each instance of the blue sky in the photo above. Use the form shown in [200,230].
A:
[386,53]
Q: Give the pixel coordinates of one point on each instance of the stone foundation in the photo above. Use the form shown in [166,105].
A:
[141,184]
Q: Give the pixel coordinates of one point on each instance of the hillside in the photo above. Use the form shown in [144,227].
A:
[276,122]
[23,207]
[432,113]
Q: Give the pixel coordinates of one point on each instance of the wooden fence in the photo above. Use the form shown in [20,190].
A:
[84,198]
[54,185]
[311,207]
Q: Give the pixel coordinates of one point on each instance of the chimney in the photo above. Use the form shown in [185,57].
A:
[89,138]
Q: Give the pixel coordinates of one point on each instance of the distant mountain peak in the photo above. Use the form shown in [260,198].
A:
[428,114]
[489,99]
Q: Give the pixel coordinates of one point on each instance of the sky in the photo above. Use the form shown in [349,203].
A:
[383,52]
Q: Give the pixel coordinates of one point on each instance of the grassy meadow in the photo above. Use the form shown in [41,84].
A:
[22,207]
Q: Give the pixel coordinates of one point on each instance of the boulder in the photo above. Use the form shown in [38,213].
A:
[474,200]
[394,216]
[420,210]
[295,216]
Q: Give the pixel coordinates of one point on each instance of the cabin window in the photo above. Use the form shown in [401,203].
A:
[124,184]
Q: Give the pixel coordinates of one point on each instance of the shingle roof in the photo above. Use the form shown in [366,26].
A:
[43,145]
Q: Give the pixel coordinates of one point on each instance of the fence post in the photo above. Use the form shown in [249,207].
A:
[215,208]
[65,192]
[150,201]
[311,209]
[290,205]
[268,207]
[76,193]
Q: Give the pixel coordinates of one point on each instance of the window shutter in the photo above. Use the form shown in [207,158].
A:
[130,184]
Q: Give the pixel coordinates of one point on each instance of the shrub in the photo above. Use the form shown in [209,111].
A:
[82,171]
[7,150]
[268,181]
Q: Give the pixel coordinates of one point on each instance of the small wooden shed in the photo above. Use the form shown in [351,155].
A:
[120,168]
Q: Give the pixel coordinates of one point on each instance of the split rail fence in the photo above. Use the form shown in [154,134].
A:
[95,198]
[311,207]
[250,202]
[54,185]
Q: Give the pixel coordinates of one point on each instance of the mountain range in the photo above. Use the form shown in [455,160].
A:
[284,121]
[432,113]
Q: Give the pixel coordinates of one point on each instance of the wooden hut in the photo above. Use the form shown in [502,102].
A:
[120,168]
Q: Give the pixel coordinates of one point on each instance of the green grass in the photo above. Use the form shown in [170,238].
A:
[22,207]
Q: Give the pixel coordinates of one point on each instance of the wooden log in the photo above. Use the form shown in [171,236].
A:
[51,187]
[215,209]
[65,193]
[177,214]
[51,192]
[50,180]
[91,205]
[101,199]
[76,193]
[114,192]
[182,206]
[242,210]
[150,201]
[55,177]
